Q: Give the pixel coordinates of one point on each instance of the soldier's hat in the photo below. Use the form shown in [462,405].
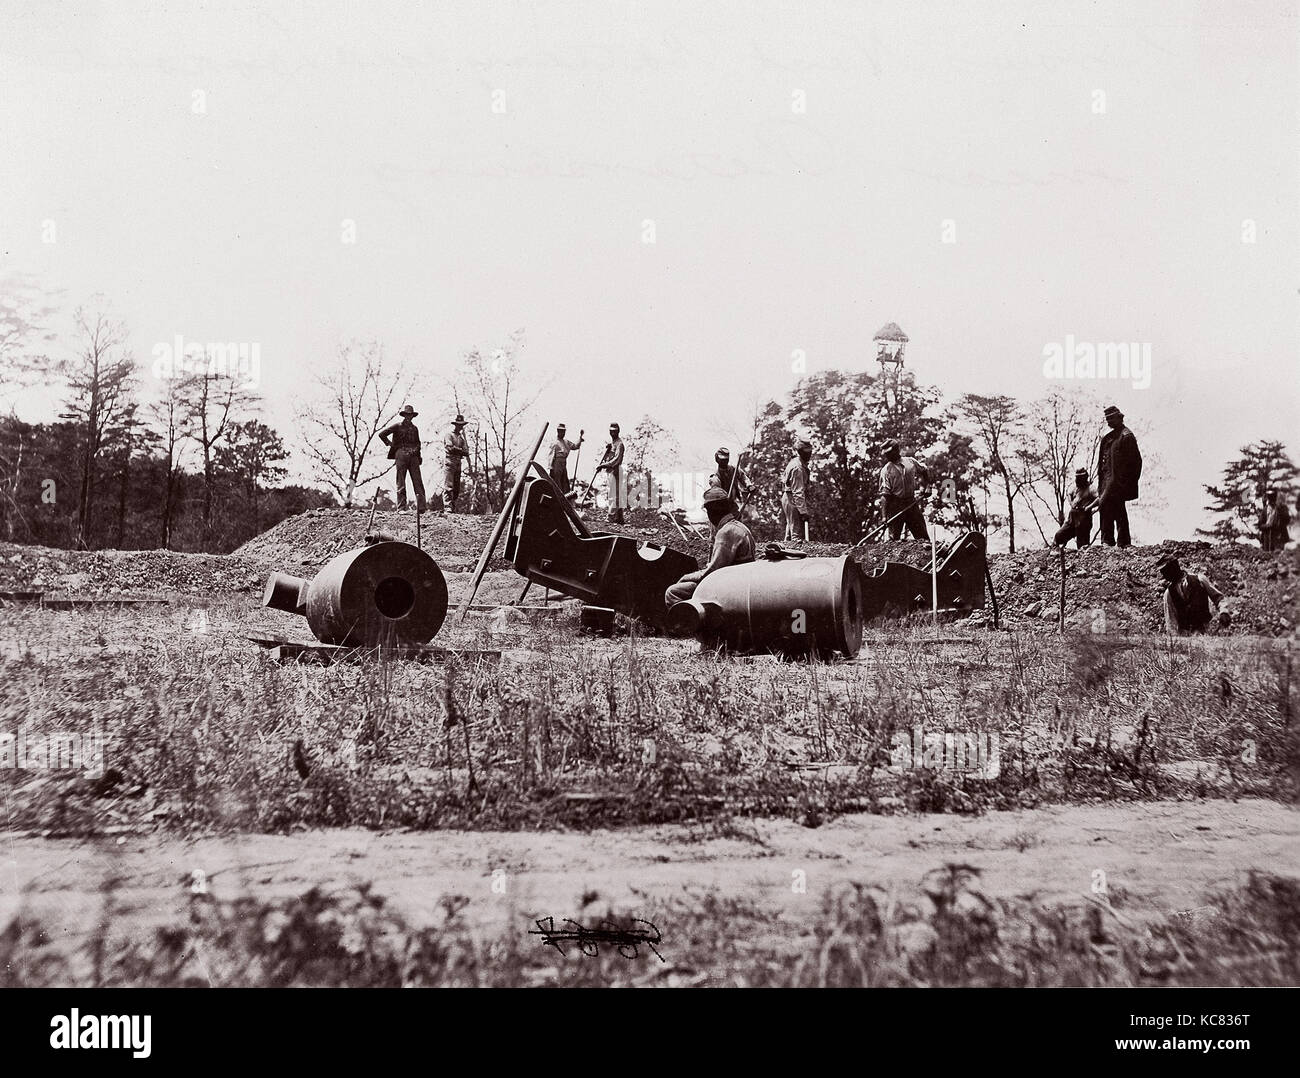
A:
[560,428]
[1169,567]
[717,496]
[459,421]
[891,449]
[1112,412]
[722,454]
[1081,473]
[614,427]
[407,410]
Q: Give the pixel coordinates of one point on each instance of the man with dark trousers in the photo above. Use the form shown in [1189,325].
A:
[1119,466]
[900,479]
[1078,525]
[559,457]
[403,441]
[455,449]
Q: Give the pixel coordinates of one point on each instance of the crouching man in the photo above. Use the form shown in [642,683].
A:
[733,544]
[1189,599]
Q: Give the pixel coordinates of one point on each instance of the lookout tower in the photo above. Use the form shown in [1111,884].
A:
[890,342]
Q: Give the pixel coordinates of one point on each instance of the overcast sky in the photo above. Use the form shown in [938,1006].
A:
[1101,168]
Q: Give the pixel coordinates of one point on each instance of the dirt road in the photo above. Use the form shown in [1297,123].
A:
[1158,858]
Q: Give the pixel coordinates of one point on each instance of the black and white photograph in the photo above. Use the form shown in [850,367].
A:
[610,494]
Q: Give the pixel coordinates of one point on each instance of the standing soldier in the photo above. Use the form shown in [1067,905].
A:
[898,493]
[455,450]
[1119,466]
[726,472]
[612,462]
[795,498]
[560,449]
[403,441]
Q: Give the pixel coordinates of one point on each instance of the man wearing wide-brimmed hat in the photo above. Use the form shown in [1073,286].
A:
[1078,525]
[455,449]
[1187,598]
[1119,466]
[733,544]
[794,497]
[403,441]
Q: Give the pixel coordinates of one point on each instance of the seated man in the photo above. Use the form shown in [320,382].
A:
[732,544]
[1187,598]
[1082,502]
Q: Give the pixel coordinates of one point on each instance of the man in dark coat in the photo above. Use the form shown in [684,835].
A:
[1119,466]
[403,441]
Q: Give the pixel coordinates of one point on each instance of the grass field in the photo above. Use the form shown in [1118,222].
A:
[203,735]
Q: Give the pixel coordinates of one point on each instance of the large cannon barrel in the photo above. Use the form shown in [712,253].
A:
[796,605]
[383,594]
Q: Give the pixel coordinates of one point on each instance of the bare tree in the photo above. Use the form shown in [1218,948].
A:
[996,422]
[1062,435]
[499,394]
[101,380]
[172,424]
[212,399]
[353,402]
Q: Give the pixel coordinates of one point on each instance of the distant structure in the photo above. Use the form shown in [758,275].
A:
[890,342]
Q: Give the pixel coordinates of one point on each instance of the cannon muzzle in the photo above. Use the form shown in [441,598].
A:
[380,595]
[794,606]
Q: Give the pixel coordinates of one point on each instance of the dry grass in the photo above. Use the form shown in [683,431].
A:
[206,734]
[953,934]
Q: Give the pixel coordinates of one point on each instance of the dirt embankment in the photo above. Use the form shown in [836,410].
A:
[1106,589]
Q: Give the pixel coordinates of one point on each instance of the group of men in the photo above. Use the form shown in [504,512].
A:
[403,441]
[611,463]
[1119,467]
[1189,599]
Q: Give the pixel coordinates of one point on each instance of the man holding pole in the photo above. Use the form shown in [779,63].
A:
[612,462]
[898,493]
[559,456]
[455,449]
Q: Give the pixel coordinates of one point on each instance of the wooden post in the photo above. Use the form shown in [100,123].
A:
[1060,625]
[498,528]
[934,581]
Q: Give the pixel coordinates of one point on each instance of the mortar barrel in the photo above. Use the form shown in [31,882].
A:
[384,594]
[796,605]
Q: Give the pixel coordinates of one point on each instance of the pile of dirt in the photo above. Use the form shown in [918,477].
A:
[308,540]
[1108,589]
[303,543]
[125,573]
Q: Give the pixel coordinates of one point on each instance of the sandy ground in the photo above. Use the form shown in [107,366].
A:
[1159,858]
